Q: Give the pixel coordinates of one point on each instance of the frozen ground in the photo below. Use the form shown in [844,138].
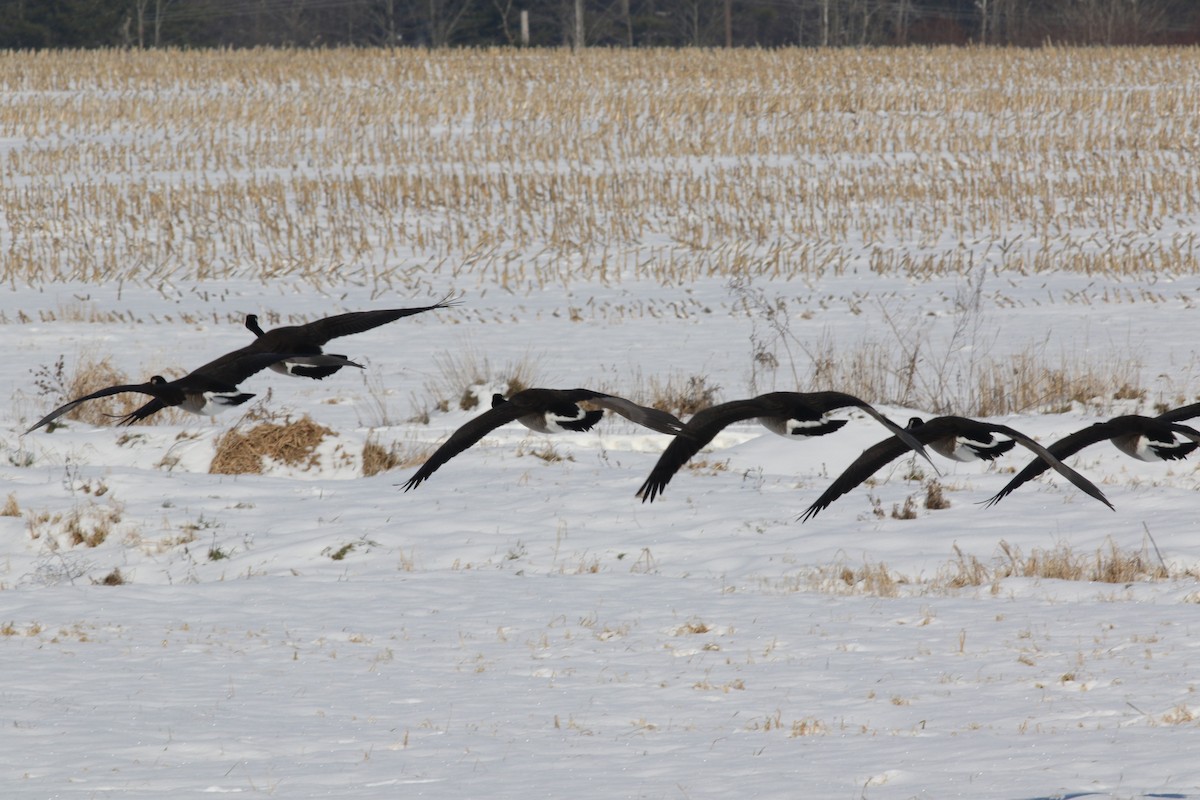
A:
[518,627]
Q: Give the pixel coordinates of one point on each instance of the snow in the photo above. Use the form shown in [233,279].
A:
[519,627]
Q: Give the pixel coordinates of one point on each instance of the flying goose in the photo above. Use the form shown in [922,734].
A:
[957,438]
[789,414]
[308,339]
[1143,438]
[206,390]
[544,411]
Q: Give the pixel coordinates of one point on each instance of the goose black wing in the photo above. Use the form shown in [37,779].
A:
[1065,447]
[651,418]
[1049,459]
[322,330]
[463,438]
[141,388]
[1186,431]
[153,407]
[1181,413]
[830,401]
[863,467]
[697,432]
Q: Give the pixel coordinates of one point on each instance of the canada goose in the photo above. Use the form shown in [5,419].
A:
[958,438]
[308,339]
[206,390]
[789,414]
[544,411]
[1143,438]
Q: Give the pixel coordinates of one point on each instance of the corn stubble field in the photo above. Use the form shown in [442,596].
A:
[543,171]
[998,233]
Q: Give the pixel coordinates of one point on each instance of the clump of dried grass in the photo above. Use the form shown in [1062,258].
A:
[907,511]
[873,579]
[376,458]
[114,578]
[1108,564]
[1105,565]
[911,369]
[707,466]
[466,380]
[11,508]
[290,442]
[935,496]
[90,374]
[681,395]
[89,525]
[546,451]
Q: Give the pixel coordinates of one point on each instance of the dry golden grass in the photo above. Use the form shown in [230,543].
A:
[526,171]
[677,394]
[89,525]
[910,370]
[57,385]
[1109,564]
[1106,565]
[290,442]
[11,508]
[935,496]
[466,379]
[376,458]
[445,164]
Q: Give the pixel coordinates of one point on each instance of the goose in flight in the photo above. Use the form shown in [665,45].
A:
[544,411]
[790,414]
[1143,438]
[957,438]
[309,339]
[206,390]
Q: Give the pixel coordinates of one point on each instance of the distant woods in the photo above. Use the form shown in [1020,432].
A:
[41,24]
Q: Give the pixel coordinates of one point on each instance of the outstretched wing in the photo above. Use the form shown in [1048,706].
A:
[138,414]
[464,437]
[1053,460]
[835,400]
[1186,432]
[322,330]
[1181,413]
[645,416]
[696,433]
[1065,447]
[863,467]
[142,388]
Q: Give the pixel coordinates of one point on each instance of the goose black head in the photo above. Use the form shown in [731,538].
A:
[252,324]
[498,400]
[157,380]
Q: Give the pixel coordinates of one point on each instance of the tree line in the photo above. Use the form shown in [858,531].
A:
[41,24]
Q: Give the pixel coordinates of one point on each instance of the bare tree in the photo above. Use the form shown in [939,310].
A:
[904,10]
[985,19]
[504,10]
[1114,21]
[444,18]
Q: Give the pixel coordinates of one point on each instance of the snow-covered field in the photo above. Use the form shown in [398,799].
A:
[523,626]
